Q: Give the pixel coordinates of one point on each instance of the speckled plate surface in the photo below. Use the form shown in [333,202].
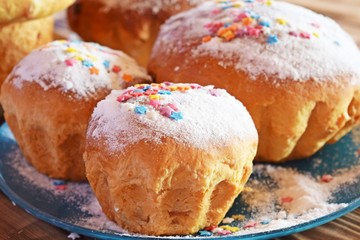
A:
[69,208]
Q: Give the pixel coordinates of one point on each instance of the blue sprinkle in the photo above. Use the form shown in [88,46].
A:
[272,39]
[140,110]
[254,15]
[337,43]
[264,23]
[176,116]
[87,63]
[59,182]
[265,221]
[139,90]
[205,233]
[147,87]
[76,41]
[164,92]
[249,1]
[106,64]
[227,25]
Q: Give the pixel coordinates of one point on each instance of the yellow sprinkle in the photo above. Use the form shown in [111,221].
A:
[269,3]
[281,21]
[154,97]
[237,5]
[140,85]
[71,50]
[92,57]
[79,58]
[316,34]
[173,88]
[230,228]
[238,217]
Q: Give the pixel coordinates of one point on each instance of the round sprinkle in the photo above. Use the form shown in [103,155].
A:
[205,233]
[327,178]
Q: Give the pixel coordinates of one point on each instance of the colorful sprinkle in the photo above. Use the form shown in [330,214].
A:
[176,116]
[140,110]
[205,233]
[265,221]
[281,21]
[327,178]
[127,78]
[305,35]
[250,224]
[230,228]
[286,199]
[116,69]
[210,228]
[70,62]
[94,71]
[87,63]
[272,39]
[106,64]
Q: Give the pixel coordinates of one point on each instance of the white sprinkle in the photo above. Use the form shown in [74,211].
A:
[73,236]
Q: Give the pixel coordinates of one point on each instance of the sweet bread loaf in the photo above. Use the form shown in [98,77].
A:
[128,25]
[297,72]
[167,159]
[50,95]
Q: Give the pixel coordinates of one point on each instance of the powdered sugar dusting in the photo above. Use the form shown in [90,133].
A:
[298,44]
[208,120]
[77,67]
[289,198]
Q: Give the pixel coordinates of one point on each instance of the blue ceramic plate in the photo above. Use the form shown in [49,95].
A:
[66,205]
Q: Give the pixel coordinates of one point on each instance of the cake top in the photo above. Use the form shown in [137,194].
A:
[154,5]
[201,117]
[15,10]
[264,37]
[77,67]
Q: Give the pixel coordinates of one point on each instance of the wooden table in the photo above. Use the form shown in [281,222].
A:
[16,224]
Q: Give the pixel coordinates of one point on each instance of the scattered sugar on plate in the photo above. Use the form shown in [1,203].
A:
[283,198]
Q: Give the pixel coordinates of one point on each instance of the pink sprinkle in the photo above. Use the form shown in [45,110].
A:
[124,97]
[242,16]
[315,25]
[250,224]
[253,32]
[214,92]
[294,34]
[224,232]
[61,187]
[286,199]
[305,35]
[154,103]
[215,11]
[195,86]
[327,178]
[173,107]
[166,111]
[70,62]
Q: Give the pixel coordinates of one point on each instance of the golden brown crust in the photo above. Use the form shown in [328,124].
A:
[18,39]
[122,27]
[167,188]
[49,127]
[294,119]
[24,10]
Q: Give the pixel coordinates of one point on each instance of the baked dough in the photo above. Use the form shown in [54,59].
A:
[169,159]
[50,95]
[127,25]
[18,39]
[297,72]
[24,10]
